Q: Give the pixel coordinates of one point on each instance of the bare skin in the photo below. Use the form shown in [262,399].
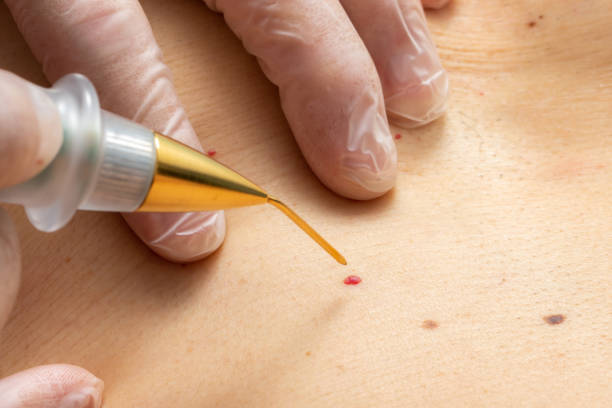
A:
[486,272]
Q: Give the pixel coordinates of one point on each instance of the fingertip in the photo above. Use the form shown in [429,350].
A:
[366,168]
[360,161]
[62,385]
[420,103]
[181,238]
[30,129]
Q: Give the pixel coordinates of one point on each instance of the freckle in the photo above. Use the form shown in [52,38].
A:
[308,353]
[190,349]
[541,16]
[352,280]
[340,367]
[211,152]
[554,319]
[67,259]
[398,136]
[531,24]
[429,325]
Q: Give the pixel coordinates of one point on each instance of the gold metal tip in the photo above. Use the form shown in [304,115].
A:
[307,229]
[187,180]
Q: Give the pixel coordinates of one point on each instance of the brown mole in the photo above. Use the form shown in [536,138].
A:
[554,319]
[531,24]
[429,325]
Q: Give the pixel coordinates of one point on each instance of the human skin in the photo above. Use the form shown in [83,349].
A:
[499,219]
[335,107]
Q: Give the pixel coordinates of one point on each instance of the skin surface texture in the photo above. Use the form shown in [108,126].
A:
[486,272]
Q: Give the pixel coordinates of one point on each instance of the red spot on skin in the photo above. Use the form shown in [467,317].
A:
[481,93]
[398,136]
[211,152]
[39,162]
[352,280]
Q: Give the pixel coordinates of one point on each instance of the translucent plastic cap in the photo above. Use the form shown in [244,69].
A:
[105,163]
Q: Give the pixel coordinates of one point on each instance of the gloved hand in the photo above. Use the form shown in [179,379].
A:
[333,62]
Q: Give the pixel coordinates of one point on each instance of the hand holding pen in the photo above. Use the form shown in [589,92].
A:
[340,67]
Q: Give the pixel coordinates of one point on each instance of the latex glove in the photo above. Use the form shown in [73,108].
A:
[331,91]
[112,44]
[24,151]
[330,59]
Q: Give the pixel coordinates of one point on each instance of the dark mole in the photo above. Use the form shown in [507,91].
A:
[308,353]
[429,324]
[554,319]
[531,24]
[68,259]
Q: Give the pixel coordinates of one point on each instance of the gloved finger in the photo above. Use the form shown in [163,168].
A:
[111,42]
[51,386]
[329,88]
[10,267]
[30,130]
[435,4]
[395,31]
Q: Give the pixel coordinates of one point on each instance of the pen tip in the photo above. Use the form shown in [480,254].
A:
[308,230]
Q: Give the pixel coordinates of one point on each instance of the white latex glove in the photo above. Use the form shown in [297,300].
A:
[332,60]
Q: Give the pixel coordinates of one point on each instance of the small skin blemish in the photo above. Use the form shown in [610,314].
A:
[308,353]
[398,136]
[429,325]
[554,320]
[67,259]
[352,280]
[39,162]
[541,16]
[531,24]
[211,152]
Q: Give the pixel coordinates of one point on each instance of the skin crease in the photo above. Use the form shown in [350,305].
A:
[350,150]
